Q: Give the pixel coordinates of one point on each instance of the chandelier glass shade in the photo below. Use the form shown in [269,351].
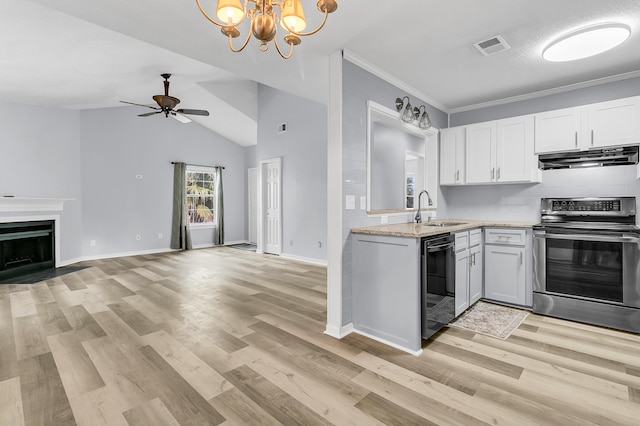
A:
[264,17]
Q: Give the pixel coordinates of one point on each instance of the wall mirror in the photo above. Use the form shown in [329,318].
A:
[402,160]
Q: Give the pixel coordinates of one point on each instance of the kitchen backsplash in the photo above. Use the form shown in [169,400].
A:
[522,201]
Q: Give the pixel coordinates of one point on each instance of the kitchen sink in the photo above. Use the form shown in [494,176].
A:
[443,224]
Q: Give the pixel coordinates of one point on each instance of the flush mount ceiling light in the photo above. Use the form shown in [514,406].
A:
[586,42]
[263,16]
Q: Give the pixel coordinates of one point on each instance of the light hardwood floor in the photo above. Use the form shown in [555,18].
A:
[226,336]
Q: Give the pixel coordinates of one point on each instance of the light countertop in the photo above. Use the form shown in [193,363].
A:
[418,230]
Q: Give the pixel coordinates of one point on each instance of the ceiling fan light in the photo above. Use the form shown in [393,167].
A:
[293,16]
[230,11]
[586,42]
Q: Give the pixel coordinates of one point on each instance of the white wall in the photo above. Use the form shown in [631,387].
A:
[40,151]
[303,148]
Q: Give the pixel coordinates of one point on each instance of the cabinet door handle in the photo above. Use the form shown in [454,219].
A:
[576,139]
[474,259]
[591,137]
[498,177]
[520,256]
[457,175]
[493,172]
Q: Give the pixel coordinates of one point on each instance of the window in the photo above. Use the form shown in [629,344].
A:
[201,202]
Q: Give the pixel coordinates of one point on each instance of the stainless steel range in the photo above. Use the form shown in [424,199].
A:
[587,261]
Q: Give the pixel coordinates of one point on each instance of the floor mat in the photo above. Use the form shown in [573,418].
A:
[492,320]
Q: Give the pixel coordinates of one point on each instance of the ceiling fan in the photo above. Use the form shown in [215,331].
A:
[166,105]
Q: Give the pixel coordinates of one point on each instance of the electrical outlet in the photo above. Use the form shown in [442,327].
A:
[384,219]
[160,235]
[92,243]
[138,237]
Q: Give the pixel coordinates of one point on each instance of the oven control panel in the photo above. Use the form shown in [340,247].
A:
[611,207]
[585,205]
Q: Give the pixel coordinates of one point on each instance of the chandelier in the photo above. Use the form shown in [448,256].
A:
[263,16]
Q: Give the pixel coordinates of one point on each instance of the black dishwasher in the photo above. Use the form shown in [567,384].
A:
[437,287]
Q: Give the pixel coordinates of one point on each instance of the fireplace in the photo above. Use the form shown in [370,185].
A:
[26,247]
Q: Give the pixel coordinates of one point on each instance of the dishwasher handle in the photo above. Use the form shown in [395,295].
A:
[440,247]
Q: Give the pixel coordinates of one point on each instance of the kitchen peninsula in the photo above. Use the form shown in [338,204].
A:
[386,265]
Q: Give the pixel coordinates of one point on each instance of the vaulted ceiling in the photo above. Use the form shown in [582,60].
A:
[92,54]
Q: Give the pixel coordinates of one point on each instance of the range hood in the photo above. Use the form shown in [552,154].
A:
[592,158]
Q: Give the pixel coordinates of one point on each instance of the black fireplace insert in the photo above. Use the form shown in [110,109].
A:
[26,247]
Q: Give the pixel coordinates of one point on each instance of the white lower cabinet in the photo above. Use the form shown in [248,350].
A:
[475,274]
[505,260]
[468,269]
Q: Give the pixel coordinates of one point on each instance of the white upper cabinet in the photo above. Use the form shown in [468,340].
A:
[557,130]
[452,156]
[480,149]
[605,124]
[515,160]
[614,123]
[501,151]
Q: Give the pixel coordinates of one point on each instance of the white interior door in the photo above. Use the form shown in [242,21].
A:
[272,208]
[252,204]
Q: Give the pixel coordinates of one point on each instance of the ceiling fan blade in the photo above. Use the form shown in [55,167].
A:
[193,111]
[133,103]
[147,114]
[181,118]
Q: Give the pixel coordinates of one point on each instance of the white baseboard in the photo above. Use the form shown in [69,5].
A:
[68,262]
[338,332]
[202,246]
[231,243]
[386,342]
[114,255]
[304,259]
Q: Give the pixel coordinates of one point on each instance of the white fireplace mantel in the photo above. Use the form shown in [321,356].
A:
[27,204]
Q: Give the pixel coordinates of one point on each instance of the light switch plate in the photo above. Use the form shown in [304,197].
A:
[350,202]
[363,203]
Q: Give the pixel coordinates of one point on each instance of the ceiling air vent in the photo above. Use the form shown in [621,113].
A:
[492,45]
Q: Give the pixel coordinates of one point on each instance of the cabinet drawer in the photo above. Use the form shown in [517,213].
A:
[475,237]
[462,240]
[507,236]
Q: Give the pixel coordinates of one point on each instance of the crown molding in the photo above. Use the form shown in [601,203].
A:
[548,92]
[356,60]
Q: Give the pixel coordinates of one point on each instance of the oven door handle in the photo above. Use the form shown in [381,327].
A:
[589,237]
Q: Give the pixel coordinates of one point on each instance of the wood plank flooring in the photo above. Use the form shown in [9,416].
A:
[226,336]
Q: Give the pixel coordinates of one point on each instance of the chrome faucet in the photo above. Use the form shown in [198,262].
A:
[418,215]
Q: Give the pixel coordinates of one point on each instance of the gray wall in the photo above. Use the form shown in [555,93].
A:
[303,148]
[360,86]
[117,145]
[93,156]
[600,93]
[522,202]
[388,166]
[40,150]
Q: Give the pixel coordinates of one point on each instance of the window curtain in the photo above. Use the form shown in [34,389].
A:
[219,236]
[180,232]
